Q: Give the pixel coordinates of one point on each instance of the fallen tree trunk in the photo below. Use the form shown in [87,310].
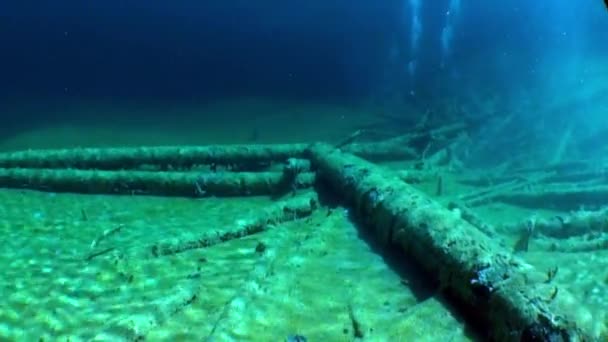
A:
[288,210]
[408,146]
[508,294]
[557,196]
[492,193]
[392,149]
[577,244]
[165,157]
[564,226]
[187,184]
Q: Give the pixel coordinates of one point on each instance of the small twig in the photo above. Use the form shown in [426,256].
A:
[98,253]
[357,331]
[289,210]
[551,273]
[83,214]
[105,234]
[350,139]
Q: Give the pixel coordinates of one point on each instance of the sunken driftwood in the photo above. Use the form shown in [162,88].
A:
[558,196]
[575,244]
[565,226]
[581,231]
[288,210]
[410,146]
[164,157]
[495,192]
[510,295]
[564,186]
[392,149]
[187,184]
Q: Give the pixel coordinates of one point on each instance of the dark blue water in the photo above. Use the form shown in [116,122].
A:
[195,48]
[336,50]
[330,48]
[525,80]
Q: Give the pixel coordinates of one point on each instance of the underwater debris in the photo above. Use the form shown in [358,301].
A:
[350,139]
[288,210]
[523,243]
[575,244]
[296,338]
[83,215]
[289,180]
[261,247]
[439,186]
[494,192]
[575,224]
[95,254]
[130,182]
[559,196]
[465,261]
[551,274]
[356,325]
[581,231]
[165,157]
[106,233]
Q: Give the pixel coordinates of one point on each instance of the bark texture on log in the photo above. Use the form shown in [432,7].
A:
[511,296]
[187,184]
[178,157]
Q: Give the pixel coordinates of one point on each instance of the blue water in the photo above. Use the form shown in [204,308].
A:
[194,48]
[328,49]
[527,79]
[397,56]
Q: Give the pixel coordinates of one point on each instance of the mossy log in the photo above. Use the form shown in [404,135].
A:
[581,231]
[557,196]
[188,184]
[549,176]
[242,157]
[408,146]
[491,193]
[564,226]
[165,157]
[284,211]
[576,244]
[499,288]
[392,149]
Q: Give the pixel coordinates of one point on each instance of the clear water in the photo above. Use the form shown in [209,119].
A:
[527,80]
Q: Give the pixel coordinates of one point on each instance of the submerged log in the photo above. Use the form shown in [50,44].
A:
[557,196]
[501,289]
[492,193]
[577,244]
[281,212]
[392,149]
[409,146]
[578,223]
[187,184]
[165,157]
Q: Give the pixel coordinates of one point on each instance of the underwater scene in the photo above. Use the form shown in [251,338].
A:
[303,171]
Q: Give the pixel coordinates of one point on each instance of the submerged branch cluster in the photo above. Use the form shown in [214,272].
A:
[167,171]
[468,264]
[453,244]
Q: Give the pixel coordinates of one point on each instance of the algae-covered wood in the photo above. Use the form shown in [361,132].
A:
[511,296]
[188,184]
